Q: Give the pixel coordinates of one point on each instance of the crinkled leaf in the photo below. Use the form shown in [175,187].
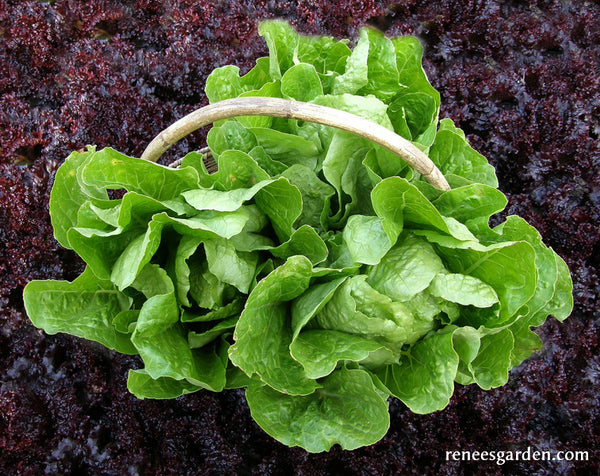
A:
[424,378]
[382,73]
[85,308]
[348,410]
[281,40]
[490,367]
[110,169]
[263,333]
[453,155]
[406,269]
[367,240]
[325,53]
[316,194]
[230,135]
[301,82]
[463,289]
[357,308]
[229,265]
[319,351]
[68,194]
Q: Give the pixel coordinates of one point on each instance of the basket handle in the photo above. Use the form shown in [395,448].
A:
[287,109]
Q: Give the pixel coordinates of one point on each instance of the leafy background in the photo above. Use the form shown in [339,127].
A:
[521,79]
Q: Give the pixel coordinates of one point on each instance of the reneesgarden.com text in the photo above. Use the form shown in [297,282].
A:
[502,456]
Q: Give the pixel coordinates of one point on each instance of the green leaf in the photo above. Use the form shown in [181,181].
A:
[526,342]
[409,54]
[257,76]
[110,169]
[160,310]
[407,269]
[162,342]
[223,201]
[472,204]
[316,194]
[368,107]
[349,410]
[561,304]
[168,354]
[84,308]
[230,135]
[424,379]
[319,351]
[466,342]
[126,321]
[453,155]
[463,289]
[304,241]
[282,203]
[357,308]
[263,333]
[311,302]
[207,224]
[206,289]
[271,90]
[101,249]
[233,308]
[397,201]
[546,262]
[137,254]
[265,162]
[413,114]
[200,339]
[406,113]
[343,169]
[143,386]
[281,40]
[490,367]
[367,240]
[301,82]
[236,169]
[507,267]
[223,83]
[230,266]
[181,270]
[286,148]
[68,195]
[382,72]
[356,75]
[324,52]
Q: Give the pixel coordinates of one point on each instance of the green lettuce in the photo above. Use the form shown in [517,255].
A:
[314,269]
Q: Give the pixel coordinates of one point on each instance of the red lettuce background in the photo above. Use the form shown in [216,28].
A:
[521,78]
